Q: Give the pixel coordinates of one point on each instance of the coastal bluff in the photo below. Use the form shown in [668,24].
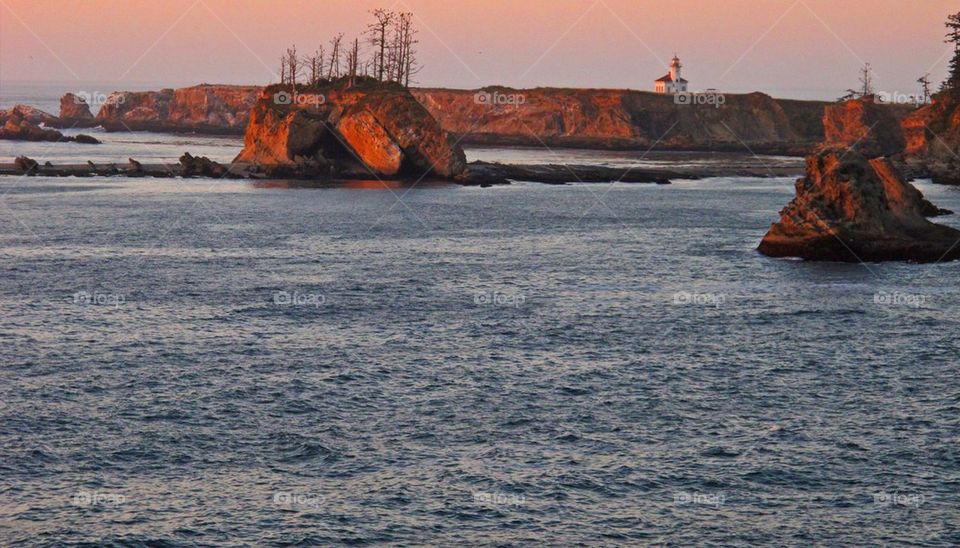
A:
[562,117]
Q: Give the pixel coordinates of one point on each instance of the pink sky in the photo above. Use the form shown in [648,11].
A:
[788,48]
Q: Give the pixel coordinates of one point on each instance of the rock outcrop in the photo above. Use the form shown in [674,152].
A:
[75,112]
[370,129]
[849,208]
[21,124]
[205,108]
[864,126]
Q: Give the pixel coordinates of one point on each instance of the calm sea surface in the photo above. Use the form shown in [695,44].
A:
[197,362]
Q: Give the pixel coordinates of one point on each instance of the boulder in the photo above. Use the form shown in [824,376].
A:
[201,166]
[850,208]
[864,126]
[27,165]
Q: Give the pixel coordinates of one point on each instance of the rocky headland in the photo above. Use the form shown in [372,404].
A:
[585,118]
[854,204]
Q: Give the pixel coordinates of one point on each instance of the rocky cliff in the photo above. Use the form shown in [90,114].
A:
[24,123]
[594,118]
[335,130]
[75,112]
[864,126]
[932,136]
[204,108]
[599,118]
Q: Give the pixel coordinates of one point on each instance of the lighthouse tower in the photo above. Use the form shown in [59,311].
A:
[672,82]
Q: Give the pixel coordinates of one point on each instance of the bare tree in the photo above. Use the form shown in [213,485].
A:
[333,68]
[353,61]
[314,65]
[866,81]
[378,36]
[283,69]
[406,46]
[924,82]
[293,66]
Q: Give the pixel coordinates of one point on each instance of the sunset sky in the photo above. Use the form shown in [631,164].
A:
[788,48]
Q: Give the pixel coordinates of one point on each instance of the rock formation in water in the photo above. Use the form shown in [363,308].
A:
[23,123]
[849,208]
[369,130]
[75,112]
[204,108]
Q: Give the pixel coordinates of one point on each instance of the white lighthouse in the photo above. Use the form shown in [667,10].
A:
[672,82]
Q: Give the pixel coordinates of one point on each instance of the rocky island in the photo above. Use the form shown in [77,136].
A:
[854,204]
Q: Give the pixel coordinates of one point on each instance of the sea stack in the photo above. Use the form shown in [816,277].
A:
[854,205]
[852,209]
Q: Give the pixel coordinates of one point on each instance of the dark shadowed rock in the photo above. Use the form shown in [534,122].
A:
[26,165]
[201,166]
[850,209]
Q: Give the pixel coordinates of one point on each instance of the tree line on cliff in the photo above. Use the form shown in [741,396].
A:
[391,57]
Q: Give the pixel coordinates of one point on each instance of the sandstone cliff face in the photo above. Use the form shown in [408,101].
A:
[382,131]
[204,108]
[620,118]
[864,126]
[849,208]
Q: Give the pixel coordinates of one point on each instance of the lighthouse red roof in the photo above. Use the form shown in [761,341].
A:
[667,78]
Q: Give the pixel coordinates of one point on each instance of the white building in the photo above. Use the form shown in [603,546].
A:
[673,82]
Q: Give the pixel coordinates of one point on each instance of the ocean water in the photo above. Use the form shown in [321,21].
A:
[197,362]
